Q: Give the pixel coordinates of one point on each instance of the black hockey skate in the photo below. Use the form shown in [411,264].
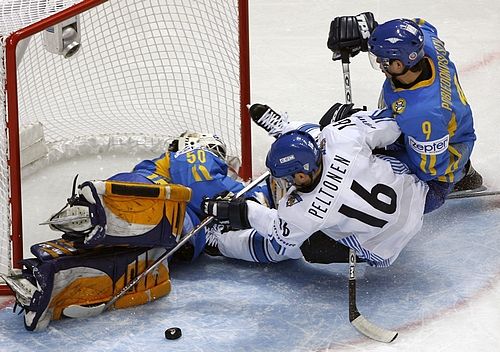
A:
[268,119]
[472,181]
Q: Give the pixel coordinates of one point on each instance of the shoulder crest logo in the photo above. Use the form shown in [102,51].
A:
[293,198]
[399,106]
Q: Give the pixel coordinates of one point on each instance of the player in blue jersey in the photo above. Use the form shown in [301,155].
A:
[114,229]
[194,160]
[423,90]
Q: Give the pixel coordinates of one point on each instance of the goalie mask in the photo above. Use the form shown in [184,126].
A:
[208,141]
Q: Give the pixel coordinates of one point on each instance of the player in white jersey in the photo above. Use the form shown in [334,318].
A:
[369,203]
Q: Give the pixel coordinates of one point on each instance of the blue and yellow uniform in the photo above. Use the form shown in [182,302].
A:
[434,116]
[197,168]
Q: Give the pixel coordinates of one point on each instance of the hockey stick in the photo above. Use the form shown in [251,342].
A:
[78,311]
[361,324]
[472,194]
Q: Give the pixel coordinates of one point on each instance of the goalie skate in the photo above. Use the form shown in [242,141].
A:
[22,288]
[71,219]
[268,119]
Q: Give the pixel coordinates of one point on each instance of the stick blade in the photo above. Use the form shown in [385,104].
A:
[77,312]
[373,331]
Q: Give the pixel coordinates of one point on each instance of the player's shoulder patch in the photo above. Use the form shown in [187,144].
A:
[399,106]
[293,198]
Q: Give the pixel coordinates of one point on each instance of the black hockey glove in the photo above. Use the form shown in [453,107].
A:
[227,211]
[349,34]
[338,112]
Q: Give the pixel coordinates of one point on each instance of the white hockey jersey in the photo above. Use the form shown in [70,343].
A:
[368,203]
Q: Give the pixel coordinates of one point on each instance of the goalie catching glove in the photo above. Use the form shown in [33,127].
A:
[349,34]
[227,210]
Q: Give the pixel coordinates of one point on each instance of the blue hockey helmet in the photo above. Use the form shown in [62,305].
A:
[292,152]
[400,39]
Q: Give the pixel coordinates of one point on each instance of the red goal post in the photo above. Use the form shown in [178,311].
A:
[147,70]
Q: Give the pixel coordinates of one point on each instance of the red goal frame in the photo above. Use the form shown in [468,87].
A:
[14,162]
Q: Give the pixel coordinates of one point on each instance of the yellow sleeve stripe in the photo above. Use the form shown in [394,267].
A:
[455,157]
[423,161]
[196,176]
[205,172]
[431,167]
[452,126]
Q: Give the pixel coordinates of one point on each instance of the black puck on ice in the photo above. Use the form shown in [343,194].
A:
[173,333]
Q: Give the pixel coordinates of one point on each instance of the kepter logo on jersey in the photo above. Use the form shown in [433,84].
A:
[430,147]
[399,106]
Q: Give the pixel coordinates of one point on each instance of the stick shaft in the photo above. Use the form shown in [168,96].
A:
[186,238]
[357,320]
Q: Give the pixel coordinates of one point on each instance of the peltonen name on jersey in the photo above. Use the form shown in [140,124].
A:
[430,147]
[334,175]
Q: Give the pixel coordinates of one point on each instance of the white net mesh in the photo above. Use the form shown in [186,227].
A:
[17,14]
[4,180]
[147,70]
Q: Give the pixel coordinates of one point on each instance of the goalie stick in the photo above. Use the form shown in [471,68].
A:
[78,311]
[361,324]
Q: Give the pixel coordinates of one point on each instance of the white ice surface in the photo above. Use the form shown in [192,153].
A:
[443,293]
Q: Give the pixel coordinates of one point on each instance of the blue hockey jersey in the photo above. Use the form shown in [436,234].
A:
[434,116]
[196,168]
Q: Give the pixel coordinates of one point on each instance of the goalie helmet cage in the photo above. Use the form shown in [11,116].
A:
[146,71]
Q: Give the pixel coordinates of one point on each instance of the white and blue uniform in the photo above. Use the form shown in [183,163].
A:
[368,203]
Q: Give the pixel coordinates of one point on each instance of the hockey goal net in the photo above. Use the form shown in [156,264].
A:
[142,72]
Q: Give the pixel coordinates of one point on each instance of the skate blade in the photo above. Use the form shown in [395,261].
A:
[65,220]
[469,193]
[22,287]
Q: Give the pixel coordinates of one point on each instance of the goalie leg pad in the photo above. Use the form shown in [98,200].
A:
[87,278]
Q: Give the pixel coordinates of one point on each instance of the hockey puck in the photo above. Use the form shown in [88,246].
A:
[173,333]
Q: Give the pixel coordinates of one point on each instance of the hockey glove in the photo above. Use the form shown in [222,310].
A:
[232,212]
[349,34]
[338,112]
